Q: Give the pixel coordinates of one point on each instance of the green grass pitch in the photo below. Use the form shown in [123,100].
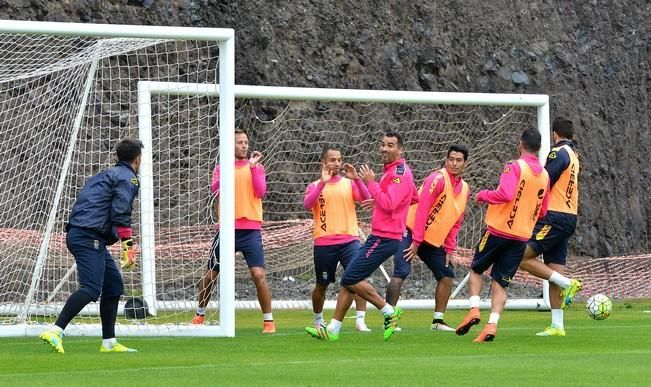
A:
[616,351]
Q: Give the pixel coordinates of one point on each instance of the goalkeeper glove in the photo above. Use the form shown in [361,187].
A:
[128,256]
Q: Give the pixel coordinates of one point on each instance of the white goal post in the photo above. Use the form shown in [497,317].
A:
[540,102]
[28,56]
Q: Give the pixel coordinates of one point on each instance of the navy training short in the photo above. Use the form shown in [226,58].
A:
[375,251]
[504,254]
[434,257]
[327,257]
[248,242]
[551,242]
[402,268]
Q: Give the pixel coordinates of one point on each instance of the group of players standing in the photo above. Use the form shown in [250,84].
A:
[532,212]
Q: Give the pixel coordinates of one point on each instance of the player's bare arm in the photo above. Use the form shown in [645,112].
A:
[326,173]
[368,204]
[255,158]
[450,260]
[350,172]
[478,198]
[366,173]
[411,252]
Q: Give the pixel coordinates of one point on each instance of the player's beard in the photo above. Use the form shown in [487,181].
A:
[241,155]
[387,158]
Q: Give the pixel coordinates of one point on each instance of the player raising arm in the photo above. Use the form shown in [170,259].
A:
[392,197]
[250,188]
[513,208]
[332,202]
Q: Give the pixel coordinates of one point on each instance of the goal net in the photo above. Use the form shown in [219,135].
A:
[290,126]
[291,135]
[68,94]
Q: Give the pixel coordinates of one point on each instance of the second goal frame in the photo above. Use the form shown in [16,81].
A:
[147,89]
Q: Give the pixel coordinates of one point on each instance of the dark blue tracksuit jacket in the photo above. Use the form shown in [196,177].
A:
[105,202]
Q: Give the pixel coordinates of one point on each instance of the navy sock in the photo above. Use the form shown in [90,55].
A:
[75,303]
[108,311]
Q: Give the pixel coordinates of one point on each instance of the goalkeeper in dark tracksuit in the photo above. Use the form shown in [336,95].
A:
[100,217]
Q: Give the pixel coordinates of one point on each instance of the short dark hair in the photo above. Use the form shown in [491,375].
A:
[128,149]
[531,140]
[459,148]
[563,127]
[326,149]
[241,131]
[390,133]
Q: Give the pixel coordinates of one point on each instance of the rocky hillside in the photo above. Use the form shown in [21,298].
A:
[591,57]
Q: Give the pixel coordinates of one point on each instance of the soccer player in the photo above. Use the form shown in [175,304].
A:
[551,234]
[432,228]
[250,188]
[513,208]
[332,202]
[391,198]
[101,216]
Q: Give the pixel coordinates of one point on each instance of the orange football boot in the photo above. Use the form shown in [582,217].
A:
[472,318]
[269,327]
[486,334]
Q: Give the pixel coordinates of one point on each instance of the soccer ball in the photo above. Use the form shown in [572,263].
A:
[599,307]
[136,308]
